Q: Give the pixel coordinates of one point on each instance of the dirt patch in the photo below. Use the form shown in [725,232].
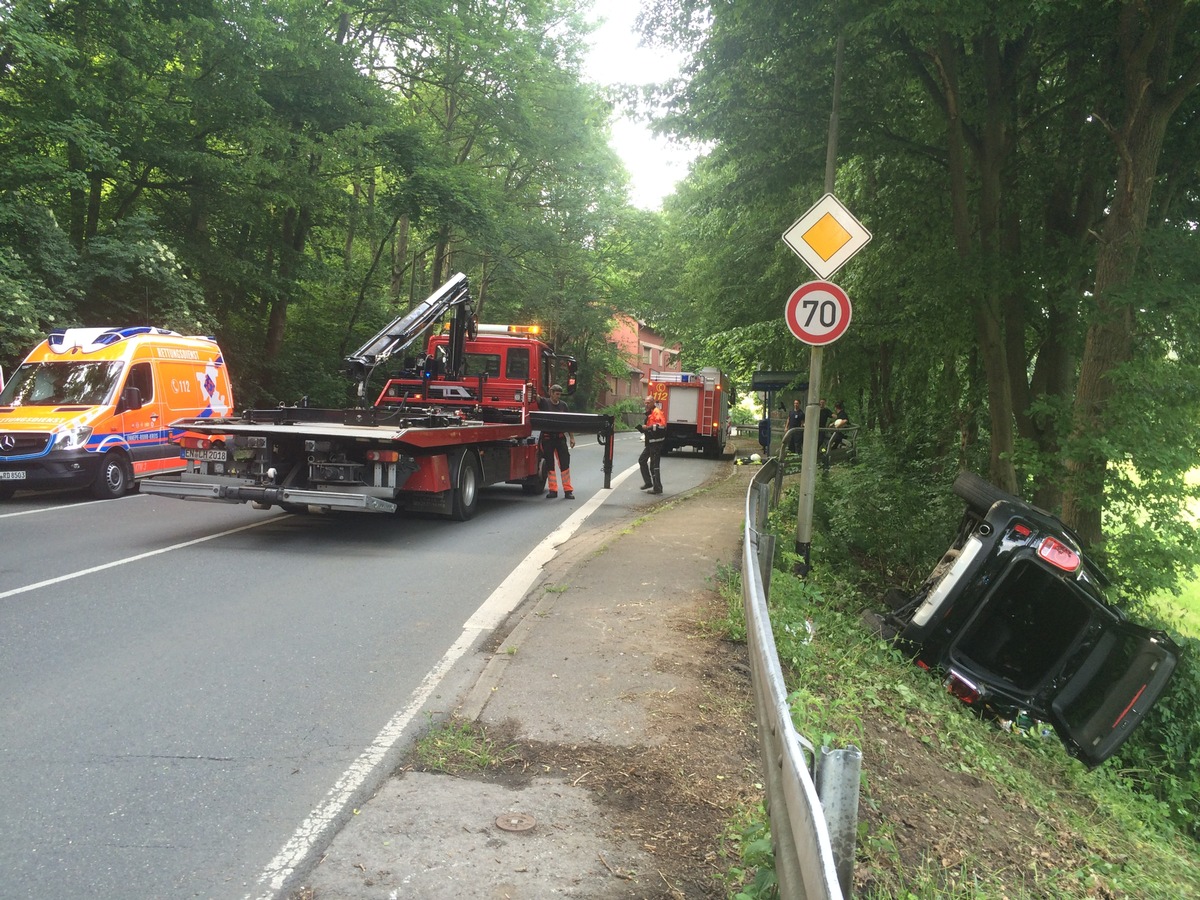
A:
[673,799]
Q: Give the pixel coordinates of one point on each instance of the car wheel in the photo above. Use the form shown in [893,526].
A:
[980,493]
[113,479]
[6,490]
[466,494]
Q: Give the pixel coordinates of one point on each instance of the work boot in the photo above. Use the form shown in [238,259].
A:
[656,491]
[646,487]
[568,495]
[551,495]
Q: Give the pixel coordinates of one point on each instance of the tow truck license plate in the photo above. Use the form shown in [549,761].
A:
[205,455]
[12,475]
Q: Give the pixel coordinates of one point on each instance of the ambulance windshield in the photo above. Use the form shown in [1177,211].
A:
[61,384]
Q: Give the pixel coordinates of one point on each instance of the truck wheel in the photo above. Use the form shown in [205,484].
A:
[113,479]
[535,484]
[979,493]
[711,450]
[466,495]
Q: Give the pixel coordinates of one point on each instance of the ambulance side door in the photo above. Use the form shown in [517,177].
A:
[145,430]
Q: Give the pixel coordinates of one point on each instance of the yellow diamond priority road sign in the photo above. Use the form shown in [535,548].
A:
[826,236]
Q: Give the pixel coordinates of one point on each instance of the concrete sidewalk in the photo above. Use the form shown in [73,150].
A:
[626,731]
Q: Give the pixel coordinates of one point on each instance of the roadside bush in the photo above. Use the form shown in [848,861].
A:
[629,407]
[888,516]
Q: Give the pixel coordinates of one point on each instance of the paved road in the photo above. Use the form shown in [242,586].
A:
[183,686]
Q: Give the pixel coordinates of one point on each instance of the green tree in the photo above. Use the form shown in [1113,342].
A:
[1006,157]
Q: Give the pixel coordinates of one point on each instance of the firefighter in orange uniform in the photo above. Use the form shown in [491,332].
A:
[655,432]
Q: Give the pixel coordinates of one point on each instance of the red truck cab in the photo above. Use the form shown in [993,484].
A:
[505,369]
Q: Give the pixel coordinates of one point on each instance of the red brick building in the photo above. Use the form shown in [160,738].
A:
[643,351]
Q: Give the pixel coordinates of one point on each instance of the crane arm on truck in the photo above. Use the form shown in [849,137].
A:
[399,334]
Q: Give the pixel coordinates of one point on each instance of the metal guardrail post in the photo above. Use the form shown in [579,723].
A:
[838,778]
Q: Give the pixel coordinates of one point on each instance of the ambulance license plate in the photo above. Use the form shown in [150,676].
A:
[12,474]
[205,455]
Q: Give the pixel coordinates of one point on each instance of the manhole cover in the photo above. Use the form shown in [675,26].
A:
[515,822]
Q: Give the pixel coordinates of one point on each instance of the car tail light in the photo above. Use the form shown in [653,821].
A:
[388,456]
[192,443]
[963,688]
[1058,554]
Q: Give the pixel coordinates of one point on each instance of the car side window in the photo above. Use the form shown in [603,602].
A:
[142,378]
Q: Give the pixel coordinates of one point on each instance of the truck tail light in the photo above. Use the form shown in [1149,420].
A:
[1058,554]
[963,688]
[195,443]
[387,456]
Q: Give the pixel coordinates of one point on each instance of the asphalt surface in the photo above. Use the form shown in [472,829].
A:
[579,663]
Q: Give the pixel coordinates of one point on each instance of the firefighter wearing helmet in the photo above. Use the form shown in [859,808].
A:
[655,432]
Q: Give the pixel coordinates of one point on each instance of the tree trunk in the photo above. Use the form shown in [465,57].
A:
[989,324]
[1152,94]
[399,261]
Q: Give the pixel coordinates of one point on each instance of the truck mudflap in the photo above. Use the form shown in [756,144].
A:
[265,496]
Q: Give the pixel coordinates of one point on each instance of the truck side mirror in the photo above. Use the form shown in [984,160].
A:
[131,399]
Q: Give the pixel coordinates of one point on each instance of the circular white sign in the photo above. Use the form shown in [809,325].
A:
[818,313]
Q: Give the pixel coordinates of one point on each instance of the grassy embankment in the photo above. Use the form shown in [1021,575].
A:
[951,806]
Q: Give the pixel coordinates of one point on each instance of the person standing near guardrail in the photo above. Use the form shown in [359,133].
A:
[795,421]
[654,430]
[840,420]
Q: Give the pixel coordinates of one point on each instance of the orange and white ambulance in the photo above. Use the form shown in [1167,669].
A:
[92,407]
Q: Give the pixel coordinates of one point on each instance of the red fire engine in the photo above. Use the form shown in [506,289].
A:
[697,409]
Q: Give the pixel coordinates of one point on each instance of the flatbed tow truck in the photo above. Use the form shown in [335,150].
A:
[462,417]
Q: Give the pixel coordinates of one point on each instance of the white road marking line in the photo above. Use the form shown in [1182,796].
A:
[491,612]
[131,559]
[66,506]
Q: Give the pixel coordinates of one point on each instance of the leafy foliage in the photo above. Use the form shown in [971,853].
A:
[1019,309]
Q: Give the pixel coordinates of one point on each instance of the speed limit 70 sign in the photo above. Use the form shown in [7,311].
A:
[818,313]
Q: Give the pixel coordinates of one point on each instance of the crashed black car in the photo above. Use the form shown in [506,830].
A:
[1014,618]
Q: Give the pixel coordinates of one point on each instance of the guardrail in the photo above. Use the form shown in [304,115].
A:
[813,822]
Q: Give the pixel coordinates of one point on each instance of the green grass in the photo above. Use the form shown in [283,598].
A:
[457,748]
[1183,611]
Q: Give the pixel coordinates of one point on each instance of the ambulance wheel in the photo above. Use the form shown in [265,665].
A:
[466,494]
[113,479]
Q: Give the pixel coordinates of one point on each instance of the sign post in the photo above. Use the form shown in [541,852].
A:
[818,313]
